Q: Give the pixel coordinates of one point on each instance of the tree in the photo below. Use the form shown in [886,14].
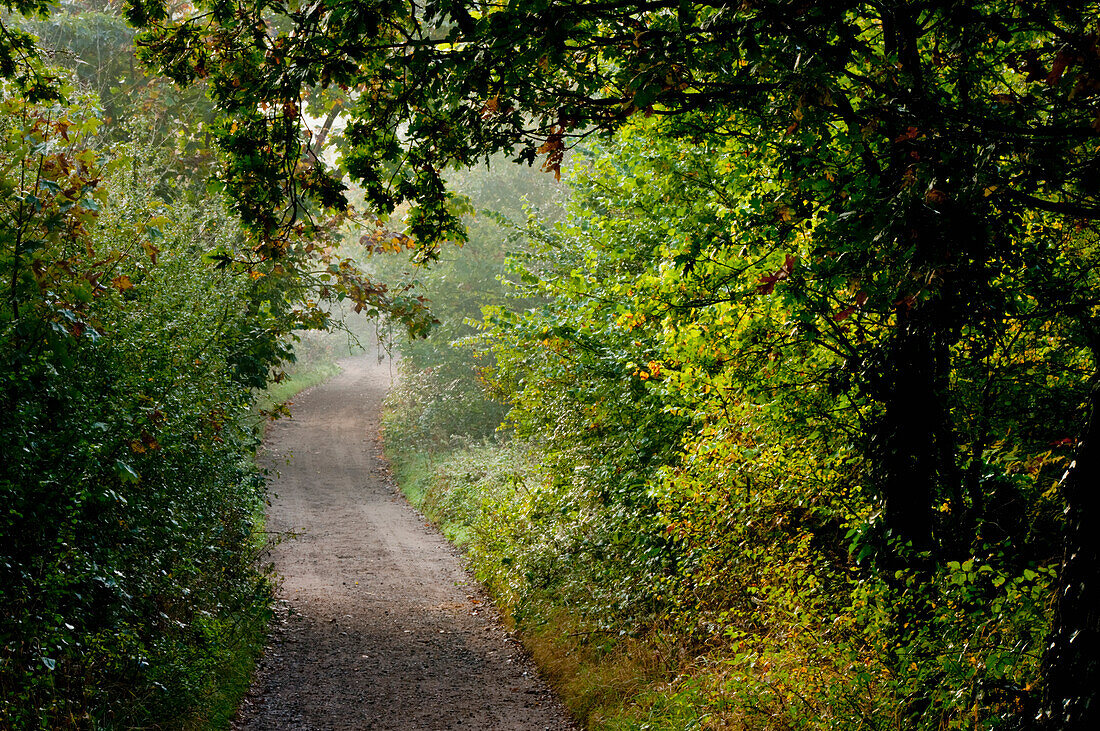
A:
[914,145]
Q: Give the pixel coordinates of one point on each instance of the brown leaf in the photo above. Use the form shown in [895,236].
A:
[845,313]
[1058,68]
[910,134]
[151,251]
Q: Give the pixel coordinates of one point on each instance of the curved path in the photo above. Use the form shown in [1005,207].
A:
[377,626]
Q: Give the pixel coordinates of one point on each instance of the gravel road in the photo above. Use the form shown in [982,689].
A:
[378,626]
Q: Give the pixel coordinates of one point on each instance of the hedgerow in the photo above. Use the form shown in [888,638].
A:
[132,507]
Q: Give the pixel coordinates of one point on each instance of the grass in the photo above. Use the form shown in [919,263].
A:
[413,473]
[288,388]
[234,673]
[597,677]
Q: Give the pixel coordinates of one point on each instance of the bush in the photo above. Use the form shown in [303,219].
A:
[128,569]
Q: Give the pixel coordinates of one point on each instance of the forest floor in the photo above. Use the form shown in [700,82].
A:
[377,624]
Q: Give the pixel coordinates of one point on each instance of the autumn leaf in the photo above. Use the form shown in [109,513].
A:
[845,313]
[150,250]
[1058,68]
[767,283]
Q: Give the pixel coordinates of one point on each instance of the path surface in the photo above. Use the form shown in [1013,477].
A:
[378,626]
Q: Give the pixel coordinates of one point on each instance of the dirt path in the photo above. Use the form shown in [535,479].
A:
[378,625]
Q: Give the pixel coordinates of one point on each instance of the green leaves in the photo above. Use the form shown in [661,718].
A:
[126,473]
[839,271]
[127,564]
[705,359]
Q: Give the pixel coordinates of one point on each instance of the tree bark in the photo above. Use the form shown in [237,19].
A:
[907,448]
[1071,663]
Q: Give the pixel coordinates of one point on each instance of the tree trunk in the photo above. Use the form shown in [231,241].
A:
[1071,663]
[906,439]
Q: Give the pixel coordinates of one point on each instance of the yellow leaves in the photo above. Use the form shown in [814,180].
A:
[383,241]
[652,369]
[631,320]
[122,283]
[86,158]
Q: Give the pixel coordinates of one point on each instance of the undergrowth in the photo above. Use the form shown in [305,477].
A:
[484,496]
[617,670]
[705,610]
[475,494]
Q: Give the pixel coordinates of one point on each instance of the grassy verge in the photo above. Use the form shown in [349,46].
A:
[291,386]
[616,675]
[412,472]
[235,667]
[243,642]
[606,681]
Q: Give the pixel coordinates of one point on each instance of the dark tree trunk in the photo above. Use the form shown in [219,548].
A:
[906,448]
[1071,663]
